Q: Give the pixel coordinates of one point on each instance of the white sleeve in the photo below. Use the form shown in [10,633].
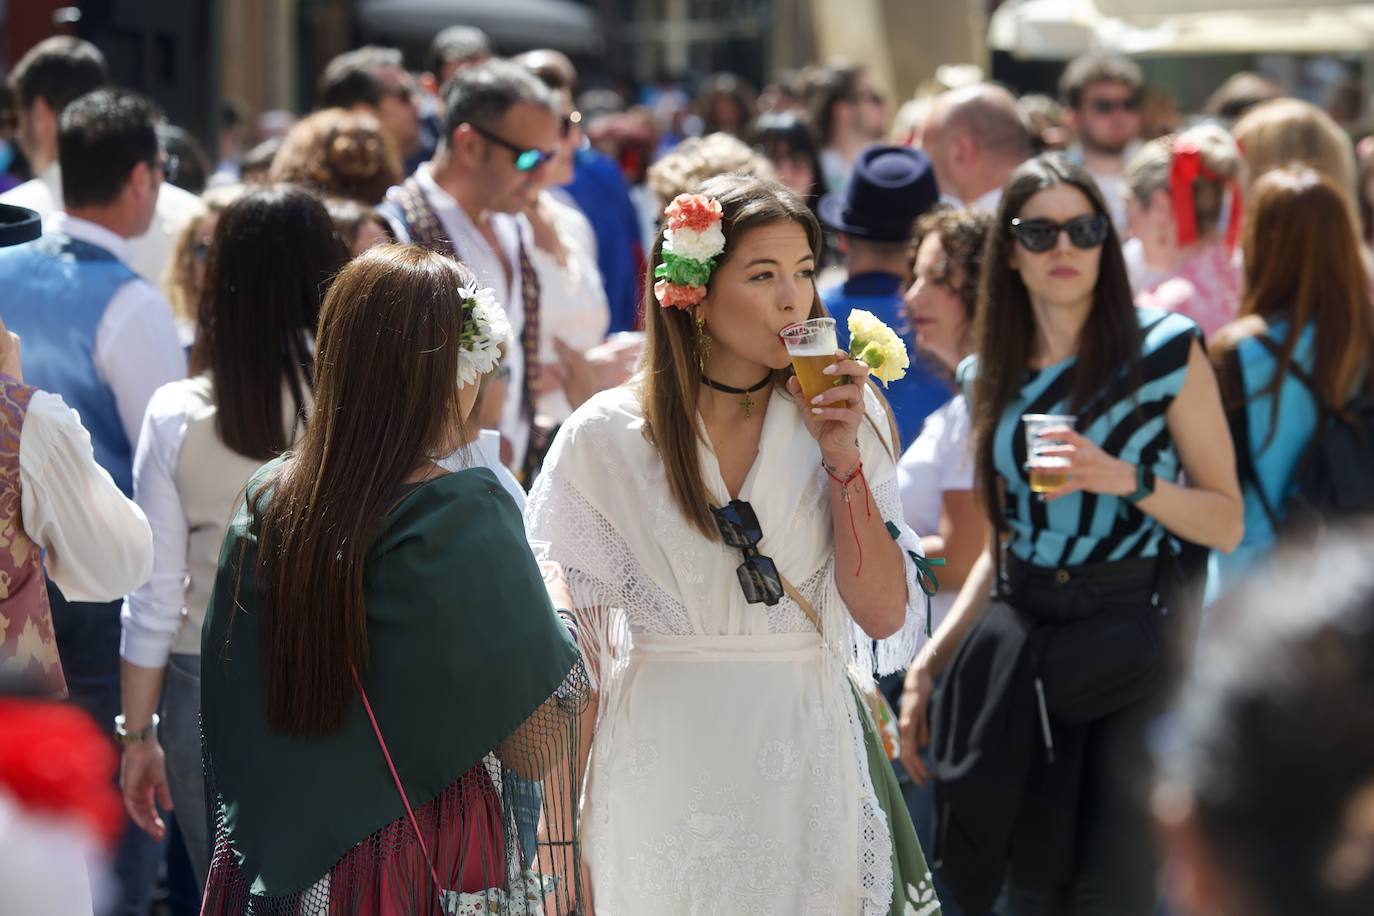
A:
[151,615]
[98,543]
[137,351]
[956,447]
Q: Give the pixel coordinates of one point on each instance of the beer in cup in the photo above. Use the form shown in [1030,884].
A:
[1047,472]
[812,346]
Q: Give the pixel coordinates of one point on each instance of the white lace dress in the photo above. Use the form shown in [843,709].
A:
[727,772]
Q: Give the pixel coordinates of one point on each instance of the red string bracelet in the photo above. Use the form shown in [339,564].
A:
[844,482]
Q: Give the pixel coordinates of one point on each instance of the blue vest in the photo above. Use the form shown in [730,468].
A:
[55,291]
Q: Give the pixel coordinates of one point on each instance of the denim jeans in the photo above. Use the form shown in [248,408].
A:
[180,736]
[88,642]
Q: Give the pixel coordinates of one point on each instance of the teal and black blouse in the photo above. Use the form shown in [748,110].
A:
[1125,421]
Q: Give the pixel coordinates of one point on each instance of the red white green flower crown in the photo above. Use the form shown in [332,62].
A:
[692,240]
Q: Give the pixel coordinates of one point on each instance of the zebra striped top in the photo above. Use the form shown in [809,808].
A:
[1084,527]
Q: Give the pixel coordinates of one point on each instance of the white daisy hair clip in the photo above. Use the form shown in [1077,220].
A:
[485,329]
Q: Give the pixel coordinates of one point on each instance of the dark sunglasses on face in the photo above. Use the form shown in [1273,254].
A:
[1040,235]
[1107,106]
[526,160]
[758,574]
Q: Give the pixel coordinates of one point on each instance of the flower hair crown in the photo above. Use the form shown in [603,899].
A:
[485,329]
[692,240]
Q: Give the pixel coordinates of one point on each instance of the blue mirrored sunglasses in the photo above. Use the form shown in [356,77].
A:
[526,160]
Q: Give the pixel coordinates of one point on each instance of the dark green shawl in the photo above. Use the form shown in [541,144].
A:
[464,647]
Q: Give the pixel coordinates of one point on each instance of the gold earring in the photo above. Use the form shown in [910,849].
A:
[703,344]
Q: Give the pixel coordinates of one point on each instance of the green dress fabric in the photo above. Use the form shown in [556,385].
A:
[913,890]
[464,646]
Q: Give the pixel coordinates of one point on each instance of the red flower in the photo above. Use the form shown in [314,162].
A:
[691,211]
[54,761]
[670,295]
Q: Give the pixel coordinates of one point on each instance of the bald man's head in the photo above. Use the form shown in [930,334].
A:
[975,136]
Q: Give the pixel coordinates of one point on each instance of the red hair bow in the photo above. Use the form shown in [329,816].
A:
[1186,167]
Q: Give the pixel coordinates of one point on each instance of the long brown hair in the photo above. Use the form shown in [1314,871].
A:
[1303,264]
[273,255]
[386,397]
[1004,329]
[670,376]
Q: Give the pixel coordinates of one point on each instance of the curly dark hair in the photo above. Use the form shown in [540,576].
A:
[339,153]
[963,237]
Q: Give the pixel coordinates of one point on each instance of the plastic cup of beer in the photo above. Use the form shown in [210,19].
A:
[1047,472]
[812,345]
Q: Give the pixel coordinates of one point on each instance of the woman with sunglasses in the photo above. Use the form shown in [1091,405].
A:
[729,552]
[1038,724]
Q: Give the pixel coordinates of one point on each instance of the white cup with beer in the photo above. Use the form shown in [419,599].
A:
[1047,472]
[812,346]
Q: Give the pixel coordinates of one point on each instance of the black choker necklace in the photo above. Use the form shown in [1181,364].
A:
[746,402]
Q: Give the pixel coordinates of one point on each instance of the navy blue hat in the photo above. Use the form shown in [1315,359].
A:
[889,187]
[18,225]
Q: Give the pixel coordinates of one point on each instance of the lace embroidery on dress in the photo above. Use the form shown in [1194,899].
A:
[614,597]
[608,588]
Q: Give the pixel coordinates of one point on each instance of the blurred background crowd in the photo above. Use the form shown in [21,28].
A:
[603,112]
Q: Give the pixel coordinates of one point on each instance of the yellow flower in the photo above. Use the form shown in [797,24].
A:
[874,343]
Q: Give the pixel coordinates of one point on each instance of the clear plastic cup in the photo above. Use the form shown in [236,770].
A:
[1047,472]
[812,345]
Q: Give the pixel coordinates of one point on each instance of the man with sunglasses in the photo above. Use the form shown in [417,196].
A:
[1101,94]
[374,79]
[850,114]
[501,128]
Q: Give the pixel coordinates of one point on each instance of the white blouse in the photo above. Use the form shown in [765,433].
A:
[97,542]
[573,306]
[939,461]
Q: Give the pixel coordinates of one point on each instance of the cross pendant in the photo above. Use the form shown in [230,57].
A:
[747,403]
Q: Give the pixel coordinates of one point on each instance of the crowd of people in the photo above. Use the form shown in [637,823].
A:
[421,494]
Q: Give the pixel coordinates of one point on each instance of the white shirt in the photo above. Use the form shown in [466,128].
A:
[136,347]
[97,542]
[486,453]
[148,254]
[492,269]
[939,461]
[988,203]
[984,203]
[1113,189]
[578,314]
[151,615]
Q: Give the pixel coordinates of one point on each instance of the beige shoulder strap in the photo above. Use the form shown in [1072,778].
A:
[802,603]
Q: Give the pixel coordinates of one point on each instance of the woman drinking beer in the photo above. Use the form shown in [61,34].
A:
[728,547]
[1064,664]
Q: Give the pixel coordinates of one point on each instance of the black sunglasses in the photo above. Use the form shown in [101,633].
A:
[1040,235]
[526,160]
[1107,106]
[758,574]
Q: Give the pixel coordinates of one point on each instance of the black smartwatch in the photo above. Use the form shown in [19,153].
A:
[1144,483]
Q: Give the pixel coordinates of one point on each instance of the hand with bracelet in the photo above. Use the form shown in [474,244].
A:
[143,775]
[869,566]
